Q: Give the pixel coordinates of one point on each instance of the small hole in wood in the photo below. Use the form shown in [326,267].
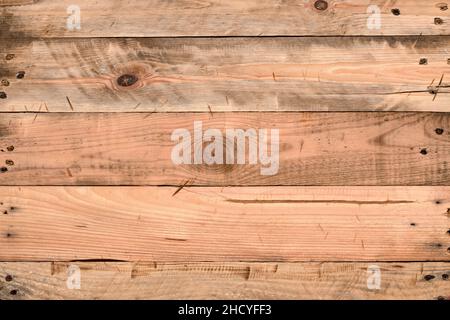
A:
[429,277]
[423,61]
[395,12]
[20,75]
[439,131]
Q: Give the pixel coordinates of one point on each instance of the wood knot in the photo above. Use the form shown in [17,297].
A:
[127,80]
[321,5]
[442,6]
[3,95]
[395,11]
[438,21]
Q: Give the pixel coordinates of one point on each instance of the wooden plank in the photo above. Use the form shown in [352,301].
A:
[273,224]
[314,149]
[227,74]
[159,18]
[343,281]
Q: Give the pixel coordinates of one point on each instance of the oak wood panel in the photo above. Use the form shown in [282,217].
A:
[156,18]
[264,224]
[109,280]
[314,149]
[227,74]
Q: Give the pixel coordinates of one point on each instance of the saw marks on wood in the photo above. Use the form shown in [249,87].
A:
[110,280]
[159,18]
[225,224]
[314,149]
[226,74]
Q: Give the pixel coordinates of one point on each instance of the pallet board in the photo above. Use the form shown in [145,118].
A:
[208,224]
[159,18]
[227,74]
[94,98]
[136,149]
[109,280]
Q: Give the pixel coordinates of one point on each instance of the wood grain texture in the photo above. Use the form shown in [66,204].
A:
[156,18]
[314,149]
[227,74]
[273,224]
[343,281]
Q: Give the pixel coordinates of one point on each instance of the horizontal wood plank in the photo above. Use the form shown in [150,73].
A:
[159,18]
[108,280]
[226,74]
[136,149]
[261,224]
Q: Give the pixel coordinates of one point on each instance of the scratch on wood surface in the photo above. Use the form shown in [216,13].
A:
[437,88]
[210,111]
[180,187]
[70,103]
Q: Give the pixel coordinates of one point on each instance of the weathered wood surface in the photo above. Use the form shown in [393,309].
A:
[225,224]
[343,281]
[156,18]
[227,74]
[314,149]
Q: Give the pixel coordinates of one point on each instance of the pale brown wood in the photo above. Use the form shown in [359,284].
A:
[225,224]
[108,280]
[268,74]
[135,149]
[156,18]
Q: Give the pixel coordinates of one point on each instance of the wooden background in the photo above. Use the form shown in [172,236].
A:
[86,177]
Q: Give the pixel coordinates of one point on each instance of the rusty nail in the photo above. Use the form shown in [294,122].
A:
[321,5]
